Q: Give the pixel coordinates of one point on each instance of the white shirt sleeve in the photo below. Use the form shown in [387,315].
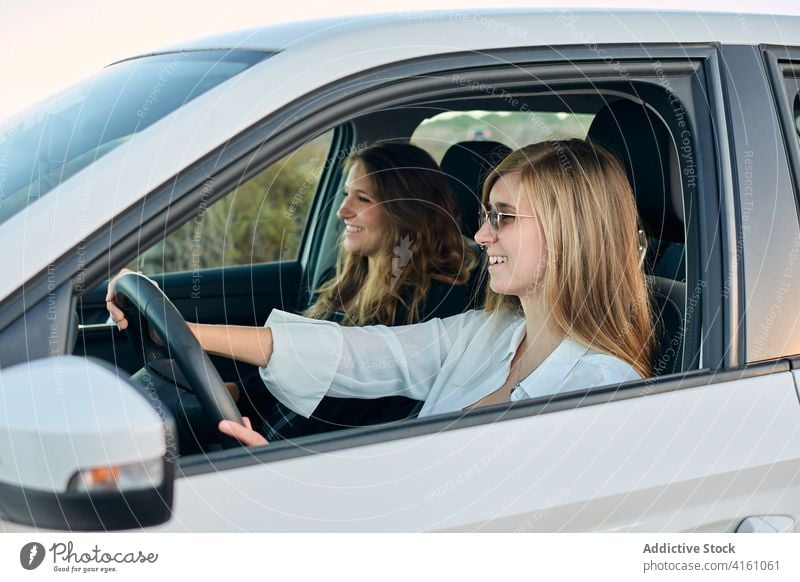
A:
[313,358]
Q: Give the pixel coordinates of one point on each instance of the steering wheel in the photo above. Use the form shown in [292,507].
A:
[158,312]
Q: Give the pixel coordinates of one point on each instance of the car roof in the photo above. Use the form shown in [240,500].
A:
[476,29]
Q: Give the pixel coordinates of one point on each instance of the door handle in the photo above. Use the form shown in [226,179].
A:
[766,524]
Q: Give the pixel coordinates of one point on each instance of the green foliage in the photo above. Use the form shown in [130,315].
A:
[262,220]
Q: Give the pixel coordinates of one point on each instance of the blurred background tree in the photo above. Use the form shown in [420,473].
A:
[261,221]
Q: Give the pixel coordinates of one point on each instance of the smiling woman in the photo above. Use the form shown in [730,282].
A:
[363,218]
[507,205]
[389,259]
[559,263]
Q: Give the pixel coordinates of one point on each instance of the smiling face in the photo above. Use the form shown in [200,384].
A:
[517,252]
[364,218]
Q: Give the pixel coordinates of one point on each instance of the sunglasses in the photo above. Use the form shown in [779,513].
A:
[496,218]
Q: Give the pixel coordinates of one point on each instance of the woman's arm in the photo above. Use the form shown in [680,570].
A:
[252,345]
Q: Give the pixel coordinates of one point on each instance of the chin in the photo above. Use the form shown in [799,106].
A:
[350,248]
[508,287]
[499,287]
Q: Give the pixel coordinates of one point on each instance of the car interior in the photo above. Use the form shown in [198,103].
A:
[245,294]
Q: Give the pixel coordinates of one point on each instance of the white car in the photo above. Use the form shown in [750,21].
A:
[213,167]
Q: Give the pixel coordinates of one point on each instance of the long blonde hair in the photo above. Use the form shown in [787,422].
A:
[593,283]
[422,242]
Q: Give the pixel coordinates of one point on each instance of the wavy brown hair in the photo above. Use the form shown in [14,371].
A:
[593,283]
[422,231]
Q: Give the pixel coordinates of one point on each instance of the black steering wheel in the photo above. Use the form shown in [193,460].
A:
[162,316]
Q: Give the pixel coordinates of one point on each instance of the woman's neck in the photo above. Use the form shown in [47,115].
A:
[542,335]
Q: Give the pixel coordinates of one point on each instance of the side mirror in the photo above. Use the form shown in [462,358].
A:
[82,448]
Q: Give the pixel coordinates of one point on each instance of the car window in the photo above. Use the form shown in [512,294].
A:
[511,128]
[68,132]
[261,221]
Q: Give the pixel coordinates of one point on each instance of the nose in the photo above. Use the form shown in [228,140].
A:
[345,211]
[485,234]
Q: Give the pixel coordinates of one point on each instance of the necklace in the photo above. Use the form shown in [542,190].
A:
[517,379]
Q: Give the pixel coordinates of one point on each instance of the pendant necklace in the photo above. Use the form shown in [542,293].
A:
[517,379]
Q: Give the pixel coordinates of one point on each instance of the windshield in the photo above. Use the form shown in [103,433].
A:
[73,129]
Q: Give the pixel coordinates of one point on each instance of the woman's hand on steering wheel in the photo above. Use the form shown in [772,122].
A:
[117,315]
[150,307]
[243,433]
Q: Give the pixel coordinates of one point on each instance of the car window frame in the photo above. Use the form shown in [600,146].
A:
[369,435]
[754,109]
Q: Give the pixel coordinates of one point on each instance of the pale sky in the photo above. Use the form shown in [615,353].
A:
[51,44]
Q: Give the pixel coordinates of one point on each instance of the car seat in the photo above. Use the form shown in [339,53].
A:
[642,142]
[466,165]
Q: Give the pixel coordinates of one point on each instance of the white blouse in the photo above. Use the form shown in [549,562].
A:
[449,363]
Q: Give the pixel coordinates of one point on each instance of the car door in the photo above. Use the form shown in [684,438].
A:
[659,457]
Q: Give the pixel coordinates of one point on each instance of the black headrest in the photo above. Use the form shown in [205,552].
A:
[466,165]
[642,141]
